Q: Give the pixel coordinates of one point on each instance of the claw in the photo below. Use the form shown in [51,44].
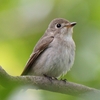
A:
[50,78]
[64,80]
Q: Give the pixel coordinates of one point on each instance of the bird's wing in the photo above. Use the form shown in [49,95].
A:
[40,48]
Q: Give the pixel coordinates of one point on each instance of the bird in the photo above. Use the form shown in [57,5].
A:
[54,53]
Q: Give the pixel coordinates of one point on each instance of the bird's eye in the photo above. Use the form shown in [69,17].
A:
[58,25]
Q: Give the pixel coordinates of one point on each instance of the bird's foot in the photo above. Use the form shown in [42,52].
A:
[64,80]
[50,78]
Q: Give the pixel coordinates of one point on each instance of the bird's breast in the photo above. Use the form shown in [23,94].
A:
[63,53]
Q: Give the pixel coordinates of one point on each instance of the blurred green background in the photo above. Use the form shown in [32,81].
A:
[23,22]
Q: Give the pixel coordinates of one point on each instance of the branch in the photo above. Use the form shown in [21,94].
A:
[44,83]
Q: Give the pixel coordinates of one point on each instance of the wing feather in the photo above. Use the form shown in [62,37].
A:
[40,48]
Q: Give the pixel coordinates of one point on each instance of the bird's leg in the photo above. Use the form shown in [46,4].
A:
[64,80]
[49,77]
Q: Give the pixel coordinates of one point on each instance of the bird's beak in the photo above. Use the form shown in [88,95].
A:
[71,24]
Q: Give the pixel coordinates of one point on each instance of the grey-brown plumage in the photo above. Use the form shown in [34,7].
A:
[54,53]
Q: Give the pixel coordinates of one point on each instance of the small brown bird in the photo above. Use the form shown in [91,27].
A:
[54,53]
